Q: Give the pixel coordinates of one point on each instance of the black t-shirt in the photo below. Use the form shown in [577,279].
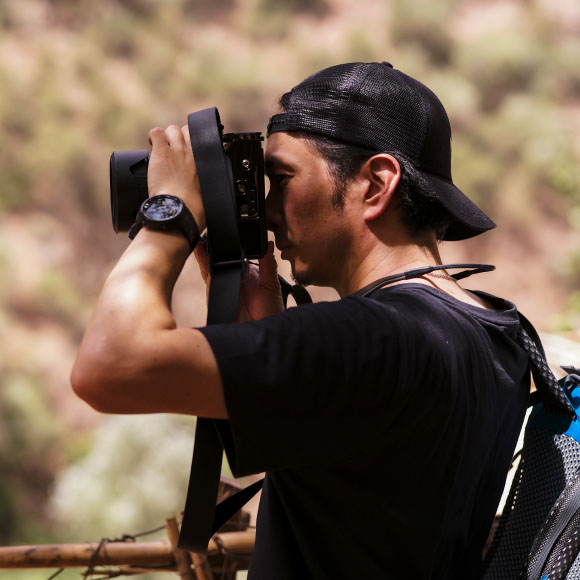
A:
[386,426]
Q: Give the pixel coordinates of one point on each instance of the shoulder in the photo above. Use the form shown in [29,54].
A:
[427,299]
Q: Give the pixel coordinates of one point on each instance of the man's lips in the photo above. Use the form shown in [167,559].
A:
[283,247]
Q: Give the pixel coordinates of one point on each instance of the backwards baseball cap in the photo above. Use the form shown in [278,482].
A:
[375,106]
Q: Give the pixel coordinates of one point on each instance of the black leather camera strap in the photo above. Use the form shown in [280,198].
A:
[226,267]
[418,272]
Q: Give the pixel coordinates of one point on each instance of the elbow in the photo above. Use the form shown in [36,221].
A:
[87,386]
[92,383]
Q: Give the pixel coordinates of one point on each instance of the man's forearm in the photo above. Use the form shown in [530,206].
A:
[137,293]
[133,359]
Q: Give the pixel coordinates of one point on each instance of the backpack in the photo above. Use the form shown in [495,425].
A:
[538,536]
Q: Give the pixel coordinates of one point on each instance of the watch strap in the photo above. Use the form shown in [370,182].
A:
[184,223]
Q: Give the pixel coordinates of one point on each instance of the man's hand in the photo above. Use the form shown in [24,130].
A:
[172,169]
[260,293]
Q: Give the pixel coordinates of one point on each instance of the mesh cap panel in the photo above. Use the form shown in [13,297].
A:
[378,107]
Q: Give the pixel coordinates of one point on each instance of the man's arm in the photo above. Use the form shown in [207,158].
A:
[133,358]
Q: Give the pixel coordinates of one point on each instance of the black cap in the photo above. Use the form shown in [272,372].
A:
[376,106]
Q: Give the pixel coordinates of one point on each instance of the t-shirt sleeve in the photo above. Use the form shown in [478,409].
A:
[301,386]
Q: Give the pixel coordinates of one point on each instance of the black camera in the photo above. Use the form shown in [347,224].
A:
[128,180]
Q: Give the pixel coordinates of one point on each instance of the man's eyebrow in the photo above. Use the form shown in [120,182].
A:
[274,161]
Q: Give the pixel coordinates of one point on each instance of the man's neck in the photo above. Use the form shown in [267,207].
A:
[383,261]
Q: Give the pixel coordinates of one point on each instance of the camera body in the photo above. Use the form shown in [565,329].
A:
[245,153]
[128,184]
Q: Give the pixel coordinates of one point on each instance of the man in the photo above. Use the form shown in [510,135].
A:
[385,420]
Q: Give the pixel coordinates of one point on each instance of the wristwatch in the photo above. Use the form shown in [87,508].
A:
[166,213]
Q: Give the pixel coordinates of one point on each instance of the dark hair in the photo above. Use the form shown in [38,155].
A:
[421,210]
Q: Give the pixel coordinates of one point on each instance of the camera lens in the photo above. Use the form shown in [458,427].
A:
[128,182]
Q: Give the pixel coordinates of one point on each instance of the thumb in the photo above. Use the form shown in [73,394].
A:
[268,266]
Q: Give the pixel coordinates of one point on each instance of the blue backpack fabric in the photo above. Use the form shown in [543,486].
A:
[538,537]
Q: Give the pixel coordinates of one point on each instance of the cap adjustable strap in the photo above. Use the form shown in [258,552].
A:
[277,123]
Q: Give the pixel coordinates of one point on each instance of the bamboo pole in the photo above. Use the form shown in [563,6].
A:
[182,558]
[201,567]
[81,555]
[235,543]
[137,554]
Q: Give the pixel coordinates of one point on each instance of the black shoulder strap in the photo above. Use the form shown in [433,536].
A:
[226,264]
[201,517]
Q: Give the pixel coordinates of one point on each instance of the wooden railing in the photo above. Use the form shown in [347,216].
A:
[227,553]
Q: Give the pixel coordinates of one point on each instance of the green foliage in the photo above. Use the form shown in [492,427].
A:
[28,454]
[502,63]
[57,295]
[424,25]
[134,476]
[477,169]
[533,134]
[569,320]
[287,7]
[360,46]
[573,276]
[574,217]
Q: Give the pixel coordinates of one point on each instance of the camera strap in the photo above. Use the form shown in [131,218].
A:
[226,268]
[201,517]
[418,272]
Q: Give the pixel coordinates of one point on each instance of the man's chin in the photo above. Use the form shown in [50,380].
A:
[304,276]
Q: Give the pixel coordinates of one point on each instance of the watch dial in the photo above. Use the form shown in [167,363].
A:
[162,207]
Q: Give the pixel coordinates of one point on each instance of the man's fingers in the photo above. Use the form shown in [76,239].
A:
[174,137]
[157,137]
[186,135]
[187,139]
[268,266]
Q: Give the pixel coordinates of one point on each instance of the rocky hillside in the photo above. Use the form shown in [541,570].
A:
[81,79]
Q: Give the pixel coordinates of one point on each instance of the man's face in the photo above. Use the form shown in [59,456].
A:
[311,233]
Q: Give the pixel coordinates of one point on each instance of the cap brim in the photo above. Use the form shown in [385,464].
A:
[468,220]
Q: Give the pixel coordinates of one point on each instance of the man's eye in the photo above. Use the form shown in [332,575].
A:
[278,180]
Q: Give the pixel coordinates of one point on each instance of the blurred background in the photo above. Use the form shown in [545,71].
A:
[80,79]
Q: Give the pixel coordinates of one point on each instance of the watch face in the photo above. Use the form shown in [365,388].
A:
[162,207]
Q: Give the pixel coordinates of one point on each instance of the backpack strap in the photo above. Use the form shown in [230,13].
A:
[552,393]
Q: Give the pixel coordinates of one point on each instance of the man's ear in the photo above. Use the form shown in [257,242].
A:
[382,173]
